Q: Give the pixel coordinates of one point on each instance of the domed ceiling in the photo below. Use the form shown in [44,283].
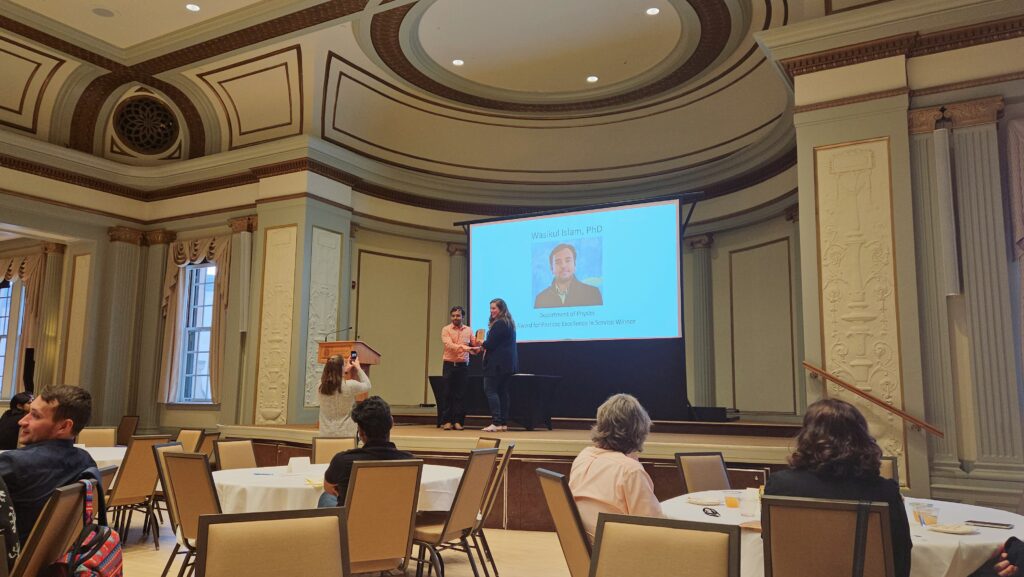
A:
[471,101]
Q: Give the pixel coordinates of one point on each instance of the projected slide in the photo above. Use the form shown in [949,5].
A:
[611,273]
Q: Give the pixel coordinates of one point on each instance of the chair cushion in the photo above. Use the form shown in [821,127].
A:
[428,533]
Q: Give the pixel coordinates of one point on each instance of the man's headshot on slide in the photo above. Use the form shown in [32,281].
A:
[565,289]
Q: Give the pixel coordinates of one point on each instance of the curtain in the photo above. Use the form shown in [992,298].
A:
[29,270]
[1015,151]
[216,250]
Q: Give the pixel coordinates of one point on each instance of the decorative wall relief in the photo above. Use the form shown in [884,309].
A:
[276,307]
[324,303]
[859,315]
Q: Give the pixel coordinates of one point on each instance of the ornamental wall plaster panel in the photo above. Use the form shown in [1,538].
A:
[276,308]
[857,282]
[324,303]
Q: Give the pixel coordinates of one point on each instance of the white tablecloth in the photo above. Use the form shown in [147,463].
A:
[106,456]
[275,489]
[934,554]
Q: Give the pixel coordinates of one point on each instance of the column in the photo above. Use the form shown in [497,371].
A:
[49,316]
[122,291]
[986,285]
[154,264]
[241,241]
[458,276]
[703,322]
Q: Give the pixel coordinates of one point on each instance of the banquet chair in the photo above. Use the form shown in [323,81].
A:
[568,525]
[307,542]
[477,536]
[821,537]
[453,532]
[380,538]
[702,472]
[188,484]
[107,475]
[126,429]
[234,455]
[325,448]
[743,478]
[55,527]
[889,469]
[190,439]
[627,545]
[206,446]
[97,437]
[159,494]
[133,488]
[488,443]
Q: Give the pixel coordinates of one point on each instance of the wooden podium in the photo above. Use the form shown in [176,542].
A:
[367,356]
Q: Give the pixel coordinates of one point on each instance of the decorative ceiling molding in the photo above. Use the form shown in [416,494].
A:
[836,6]
[715,21]
[33,76]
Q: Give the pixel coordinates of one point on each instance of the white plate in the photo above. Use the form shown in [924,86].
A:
[953,529]
[705,500]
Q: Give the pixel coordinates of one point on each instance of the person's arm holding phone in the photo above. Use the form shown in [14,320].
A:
[361,384]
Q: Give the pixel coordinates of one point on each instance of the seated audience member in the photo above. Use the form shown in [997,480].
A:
[836,458]
[1006,562]
[373,425]
[9,421]
[608,477]
[49,458]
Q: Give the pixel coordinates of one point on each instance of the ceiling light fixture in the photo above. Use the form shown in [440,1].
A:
[192,7]
[653,11]
[592,79]
[458,62]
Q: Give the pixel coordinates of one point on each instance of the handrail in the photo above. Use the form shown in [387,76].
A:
[914,421]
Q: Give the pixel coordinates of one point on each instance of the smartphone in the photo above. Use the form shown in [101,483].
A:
[990,524]
[352,355]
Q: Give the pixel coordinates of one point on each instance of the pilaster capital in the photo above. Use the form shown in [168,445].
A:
[700,241]
[792,213]
[962,114]
[456,249]
[246,223]
[160,237]
[54,248]
[125,234]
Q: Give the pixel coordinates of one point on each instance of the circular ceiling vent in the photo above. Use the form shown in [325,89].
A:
[146,125]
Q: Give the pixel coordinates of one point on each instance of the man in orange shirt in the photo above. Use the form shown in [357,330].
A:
[458,343]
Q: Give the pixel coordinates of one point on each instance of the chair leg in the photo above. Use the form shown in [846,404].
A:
[487,551]
[170,560]
[156,530]
[480,553]
[420,559]
[469,553]
[185,563]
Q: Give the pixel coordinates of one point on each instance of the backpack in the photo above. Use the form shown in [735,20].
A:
[97,551]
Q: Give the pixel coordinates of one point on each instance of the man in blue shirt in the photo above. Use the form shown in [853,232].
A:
[49,458]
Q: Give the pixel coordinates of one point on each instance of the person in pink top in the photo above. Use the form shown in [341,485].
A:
[458,343]
[608,477]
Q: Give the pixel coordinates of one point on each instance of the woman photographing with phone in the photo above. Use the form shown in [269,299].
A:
[500,362]
[342,384]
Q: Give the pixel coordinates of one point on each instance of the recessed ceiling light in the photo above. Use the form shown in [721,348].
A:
[592,79]
[192,7]
[102,12]
[458,62]
[653,11]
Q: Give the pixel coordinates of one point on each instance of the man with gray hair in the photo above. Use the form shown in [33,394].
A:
[608,477]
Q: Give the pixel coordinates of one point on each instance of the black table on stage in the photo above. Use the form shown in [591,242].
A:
[530,394]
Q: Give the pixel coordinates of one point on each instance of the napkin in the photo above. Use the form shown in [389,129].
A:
[706,500]
[953,529]
[315,483]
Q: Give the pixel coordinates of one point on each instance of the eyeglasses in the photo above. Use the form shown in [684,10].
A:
[711,512]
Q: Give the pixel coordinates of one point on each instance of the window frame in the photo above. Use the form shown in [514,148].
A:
[198,301]
[15,316]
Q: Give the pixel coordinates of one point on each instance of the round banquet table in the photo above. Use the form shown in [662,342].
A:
[106,456]
[275,489]
[934,554]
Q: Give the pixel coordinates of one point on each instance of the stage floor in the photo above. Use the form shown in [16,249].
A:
[560,442]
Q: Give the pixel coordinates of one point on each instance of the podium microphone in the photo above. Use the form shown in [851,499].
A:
[332,333]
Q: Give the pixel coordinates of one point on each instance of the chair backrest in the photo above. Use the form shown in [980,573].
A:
[206,445]
[380,538]
[159,452]
[488,443]
[792,526]
[234,455]
[126,428]
[890,469]
[263,544]
[54,528]
[494,487]
[325,448]
[190,491]
[470,495]
[190,439]
[107,475]
[97,437]
[747,478]
[703,471]
[571,534]
[138,476]
[628,545]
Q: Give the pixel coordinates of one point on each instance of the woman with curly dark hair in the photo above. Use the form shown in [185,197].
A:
[837,458]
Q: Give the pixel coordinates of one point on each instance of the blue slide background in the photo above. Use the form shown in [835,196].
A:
[633,250]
